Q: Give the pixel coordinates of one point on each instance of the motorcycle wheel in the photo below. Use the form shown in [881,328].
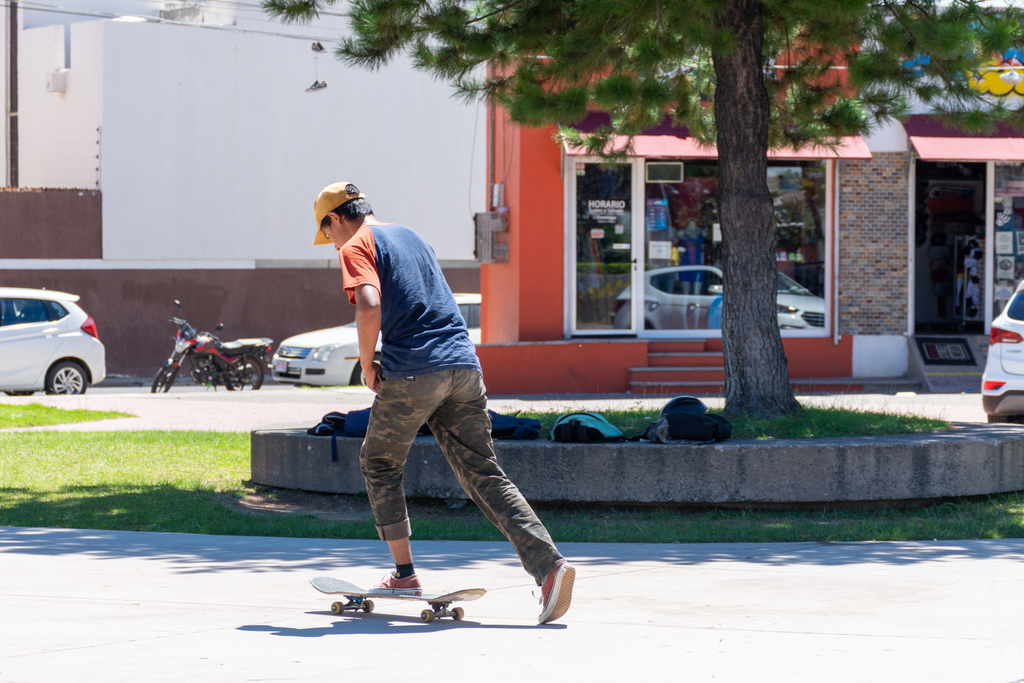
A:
[251,371]
[164,379]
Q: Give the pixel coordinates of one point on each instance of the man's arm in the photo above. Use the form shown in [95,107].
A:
[368,328]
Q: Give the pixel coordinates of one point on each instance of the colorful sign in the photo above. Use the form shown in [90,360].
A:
[1002,76]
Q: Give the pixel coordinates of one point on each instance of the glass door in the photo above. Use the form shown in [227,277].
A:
[603,236]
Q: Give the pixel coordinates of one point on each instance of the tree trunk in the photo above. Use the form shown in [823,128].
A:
[756,373]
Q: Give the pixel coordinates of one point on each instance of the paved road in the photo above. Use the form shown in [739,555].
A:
[198,408]
[92,606]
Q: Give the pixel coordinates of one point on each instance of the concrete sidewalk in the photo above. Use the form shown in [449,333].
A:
[195,408]
[126,606]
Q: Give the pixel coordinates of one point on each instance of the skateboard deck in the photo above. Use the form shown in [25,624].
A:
[362,599]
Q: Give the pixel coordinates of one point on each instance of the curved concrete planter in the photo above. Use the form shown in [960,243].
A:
[966,461]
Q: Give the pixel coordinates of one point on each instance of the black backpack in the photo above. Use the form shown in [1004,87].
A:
[513,428]
[685,418]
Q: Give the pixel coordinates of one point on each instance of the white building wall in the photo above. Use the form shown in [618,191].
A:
[888,137]
[57,131]
[212,149]
[5,94]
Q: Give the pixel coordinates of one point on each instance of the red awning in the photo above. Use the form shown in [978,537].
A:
[968,149]
[674,147]
[934,142]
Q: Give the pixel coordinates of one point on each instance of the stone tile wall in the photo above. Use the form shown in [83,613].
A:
[873,244]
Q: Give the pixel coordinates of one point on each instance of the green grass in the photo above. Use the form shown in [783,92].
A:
[36,415]
[178,481]
[809,423]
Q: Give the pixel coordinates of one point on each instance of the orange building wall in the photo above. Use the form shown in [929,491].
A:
[525,296]
[562,367]
[499,283]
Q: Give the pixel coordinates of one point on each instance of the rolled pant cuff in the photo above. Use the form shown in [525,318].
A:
[396,531]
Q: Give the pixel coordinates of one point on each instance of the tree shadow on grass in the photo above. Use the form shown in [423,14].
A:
[197,533]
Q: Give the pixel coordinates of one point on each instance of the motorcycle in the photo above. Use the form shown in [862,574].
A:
[236,365]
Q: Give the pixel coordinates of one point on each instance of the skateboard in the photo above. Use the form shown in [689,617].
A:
[360,599]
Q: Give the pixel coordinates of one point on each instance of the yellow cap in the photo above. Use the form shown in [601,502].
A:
[330,198]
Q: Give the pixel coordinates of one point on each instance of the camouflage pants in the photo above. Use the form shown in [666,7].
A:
[453,403]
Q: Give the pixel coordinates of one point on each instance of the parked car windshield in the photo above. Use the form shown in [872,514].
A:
[788,285]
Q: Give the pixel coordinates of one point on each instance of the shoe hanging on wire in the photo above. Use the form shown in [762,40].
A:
[317,83]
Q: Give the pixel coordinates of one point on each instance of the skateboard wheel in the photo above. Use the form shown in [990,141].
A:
[458,613]
[337,608]
[367,606]
[427,615]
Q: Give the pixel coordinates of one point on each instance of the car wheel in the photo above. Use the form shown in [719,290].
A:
[66,378]
[1006,419]
[358,376]
[19,393]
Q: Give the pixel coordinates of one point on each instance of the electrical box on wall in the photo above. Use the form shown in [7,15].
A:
[57,81]
[492,236]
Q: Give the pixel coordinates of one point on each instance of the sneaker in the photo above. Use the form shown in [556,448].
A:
[556,593]
[389,585]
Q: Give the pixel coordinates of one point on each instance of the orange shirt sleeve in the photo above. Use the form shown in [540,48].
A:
[359,263]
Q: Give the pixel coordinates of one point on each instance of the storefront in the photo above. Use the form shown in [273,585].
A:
[968,226]
[564,315]
[916,231]
[651,226]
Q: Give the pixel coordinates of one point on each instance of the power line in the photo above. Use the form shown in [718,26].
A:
[56,9]
[247,6]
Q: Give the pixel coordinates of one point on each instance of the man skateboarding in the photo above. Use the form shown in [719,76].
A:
[429,373]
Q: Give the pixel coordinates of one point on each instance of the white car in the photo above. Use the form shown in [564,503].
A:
[689,298]
[47,343]
[331,357]
[1002,383]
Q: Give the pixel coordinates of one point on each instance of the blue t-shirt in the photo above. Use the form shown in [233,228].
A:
[421,328]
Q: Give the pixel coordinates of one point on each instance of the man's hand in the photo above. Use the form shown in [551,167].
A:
[368,328]
[373,375]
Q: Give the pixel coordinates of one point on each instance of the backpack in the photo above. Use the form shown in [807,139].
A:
[585,428]
[513,428]
[685,418]
[354,423]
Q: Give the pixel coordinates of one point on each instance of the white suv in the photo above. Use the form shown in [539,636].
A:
[1002,384]
[47,343]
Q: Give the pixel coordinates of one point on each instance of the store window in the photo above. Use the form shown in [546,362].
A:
[683,246]
[1008,213]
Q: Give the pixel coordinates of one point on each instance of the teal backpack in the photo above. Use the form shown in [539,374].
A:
[585,428]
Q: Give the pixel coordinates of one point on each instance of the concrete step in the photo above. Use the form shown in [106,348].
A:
[677,346]
[686,360]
